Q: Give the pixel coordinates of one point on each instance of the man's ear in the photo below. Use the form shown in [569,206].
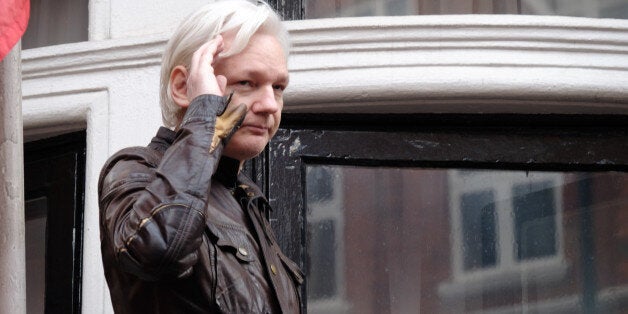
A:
[178,86]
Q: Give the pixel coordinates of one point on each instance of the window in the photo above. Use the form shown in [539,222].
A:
[479,235]
[456,214]
[320,184]
[325,225]
[535,220]
[56,22]
[323,260]
[504,223]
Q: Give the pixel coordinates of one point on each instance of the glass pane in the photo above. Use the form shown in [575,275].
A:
[416,240]
[56,22]
[323,260]
[478,229]
[36,211]
[535,226]
[583,8]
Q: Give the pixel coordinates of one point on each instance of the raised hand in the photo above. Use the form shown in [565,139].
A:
[201,78]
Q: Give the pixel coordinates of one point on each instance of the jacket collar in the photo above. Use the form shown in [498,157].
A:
[249,186]
[228,172]
[164,138]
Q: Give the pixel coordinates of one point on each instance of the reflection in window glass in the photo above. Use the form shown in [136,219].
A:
[414,240]
[535,226]
[583,8]
[478,229]
[319,187]
[322,260]
[325,231]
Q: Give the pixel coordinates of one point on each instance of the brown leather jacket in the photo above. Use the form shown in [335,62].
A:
[183,232]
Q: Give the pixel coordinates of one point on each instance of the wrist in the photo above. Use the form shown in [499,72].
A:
[204,108]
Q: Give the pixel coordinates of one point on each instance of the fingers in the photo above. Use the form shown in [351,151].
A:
[203,57]
[207,52]
[210,50]
[201,79]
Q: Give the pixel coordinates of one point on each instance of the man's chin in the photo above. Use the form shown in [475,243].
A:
[242,152]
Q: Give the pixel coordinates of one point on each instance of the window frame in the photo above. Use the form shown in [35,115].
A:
[543,142]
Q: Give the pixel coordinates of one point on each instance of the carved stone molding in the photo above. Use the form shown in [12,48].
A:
[465,63]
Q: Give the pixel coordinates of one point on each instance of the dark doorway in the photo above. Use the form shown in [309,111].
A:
[54,179]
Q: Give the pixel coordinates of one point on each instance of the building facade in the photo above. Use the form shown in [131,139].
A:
[387,93]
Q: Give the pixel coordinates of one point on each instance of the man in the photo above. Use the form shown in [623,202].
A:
[182,231]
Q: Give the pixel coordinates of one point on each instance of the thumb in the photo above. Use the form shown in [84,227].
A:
[222,83]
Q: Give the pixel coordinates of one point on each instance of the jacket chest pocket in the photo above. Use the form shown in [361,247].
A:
[240,283]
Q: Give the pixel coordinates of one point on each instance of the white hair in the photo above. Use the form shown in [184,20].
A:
[203,25]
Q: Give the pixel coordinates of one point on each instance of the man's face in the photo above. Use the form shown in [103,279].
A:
[257,76]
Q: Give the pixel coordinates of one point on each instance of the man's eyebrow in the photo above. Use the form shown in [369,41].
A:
[281,77]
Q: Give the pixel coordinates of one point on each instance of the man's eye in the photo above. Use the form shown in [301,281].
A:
[279,87]
[244,83]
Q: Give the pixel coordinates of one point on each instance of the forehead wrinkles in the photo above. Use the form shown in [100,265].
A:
[263,56]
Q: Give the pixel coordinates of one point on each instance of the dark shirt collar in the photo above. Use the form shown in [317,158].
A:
[164,138]
[227,172]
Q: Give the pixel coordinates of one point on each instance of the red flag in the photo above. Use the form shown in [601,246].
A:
[13,21]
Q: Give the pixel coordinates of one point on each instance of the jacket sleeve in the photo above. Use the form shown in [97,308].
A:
[153,214]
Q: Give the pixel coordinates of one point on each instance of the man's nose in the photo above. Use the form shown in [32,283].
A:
[266,100]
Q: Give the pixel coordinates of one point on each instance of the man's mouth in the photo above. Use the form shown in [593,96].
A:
[255,128]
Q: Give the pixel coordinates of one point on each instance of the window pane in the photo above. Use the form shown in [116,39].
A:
[325,226]
[584,8]
[418,240]
[535,226]
[322,260]
[319,186]
[56,22]
[478,229]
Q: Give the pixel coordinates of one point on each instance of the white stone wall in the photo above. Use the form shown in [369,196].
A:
[147,17]
[512,64]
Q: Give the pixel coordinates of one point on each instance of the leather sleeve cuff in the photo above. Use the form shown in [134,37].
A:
[204,108]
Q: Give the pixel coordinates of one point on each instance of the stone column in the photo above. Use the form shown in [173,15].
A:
[12,236]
